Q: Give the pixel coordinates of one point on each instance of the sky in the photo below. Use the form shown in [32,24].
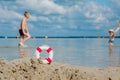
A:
[60,17]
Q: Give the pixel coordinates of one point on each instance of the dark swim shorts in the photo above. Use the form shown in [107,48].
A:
[21,32]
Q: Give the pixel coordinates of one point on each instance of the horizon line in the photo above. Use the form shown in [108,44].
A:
[60,37]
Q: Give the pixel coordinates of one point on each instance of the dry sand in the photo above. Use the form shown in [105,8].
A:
[32,69]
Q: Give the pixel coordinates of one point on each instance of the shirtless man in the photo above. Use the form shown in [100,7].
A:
[24,34]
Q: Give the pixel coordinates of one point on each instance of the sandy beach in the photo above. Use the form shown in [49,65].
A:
[32,69]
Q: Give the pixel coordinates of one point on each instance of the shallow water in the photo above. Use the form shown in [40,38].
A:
[80,51]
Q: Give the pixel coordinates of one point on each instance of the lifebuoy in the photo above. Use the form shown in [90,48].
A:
[48,50]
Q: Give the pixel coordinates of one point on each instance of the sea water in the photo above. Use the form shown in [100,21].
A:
[75,51]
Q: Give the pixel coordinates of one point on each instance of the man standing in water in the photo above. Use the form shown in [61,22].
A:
[24,34]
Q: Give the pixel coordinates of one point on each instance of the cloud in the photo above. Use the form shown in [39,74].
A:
[43,6]
[101,18]
[7,14]
[9,20]
[91,14]
[116,2]
[59,27]
[33,18]
[96,12]
[31,26]
[42,18]
[39,18]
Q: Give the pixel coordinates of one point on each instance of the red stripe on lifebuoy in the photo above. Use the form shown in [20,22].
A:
[49,49]
[39,49]
[49,60]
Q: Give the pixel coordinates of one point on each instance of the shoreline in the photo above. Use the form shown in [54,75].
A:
[32,69]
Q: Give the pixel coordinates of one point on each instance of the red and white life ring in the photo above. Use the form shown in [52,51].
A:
[48,50]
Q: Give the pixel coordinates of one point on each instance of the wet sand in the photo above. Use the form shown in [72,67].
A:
[32,69]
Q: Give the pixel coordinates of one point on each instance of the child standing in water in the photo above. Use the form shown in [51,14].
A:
[112,34]
[24,34]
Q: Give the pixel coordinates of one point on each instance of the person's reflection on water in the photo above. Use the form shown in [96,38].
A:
[23,52]
[111,48]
